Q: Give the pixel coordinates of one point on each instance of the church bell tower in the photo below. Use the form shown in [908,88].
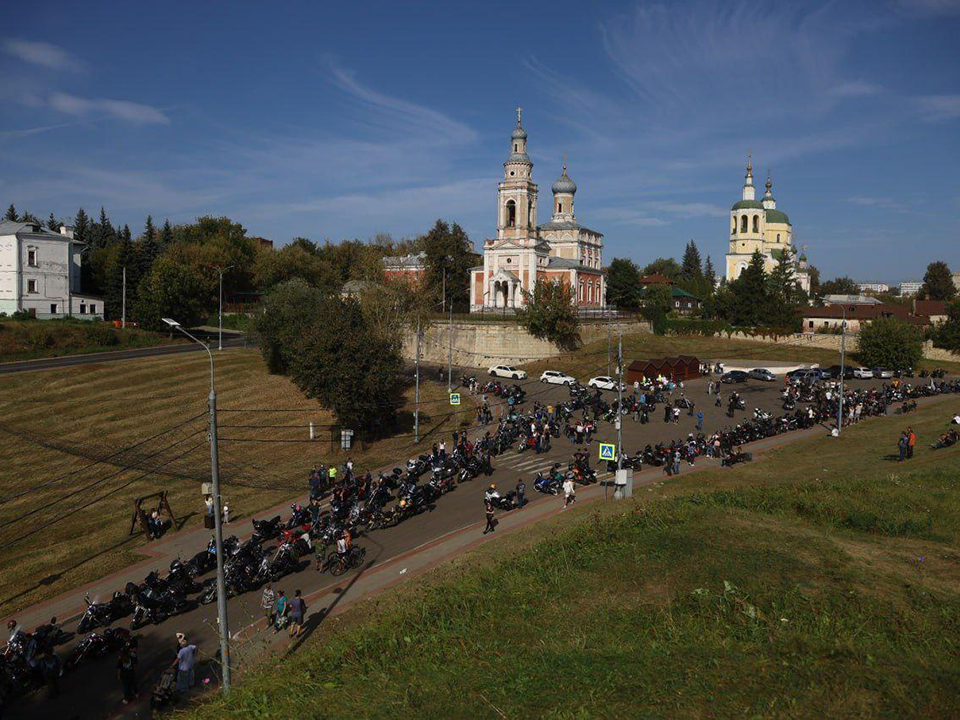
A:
[517,195]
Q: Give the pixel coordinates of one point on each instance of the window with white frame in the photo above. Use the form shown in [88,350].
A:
[32,257]
[31,286]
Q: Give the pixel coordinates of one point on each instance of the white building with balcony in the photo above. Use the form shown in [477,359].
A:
[40,273]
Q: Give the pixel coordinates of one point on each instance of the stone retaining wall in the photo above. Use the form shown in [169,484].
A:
[832,342]
[482,344]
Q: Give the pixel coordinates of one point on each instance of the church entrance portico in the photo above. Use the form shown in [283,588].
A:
[505,290]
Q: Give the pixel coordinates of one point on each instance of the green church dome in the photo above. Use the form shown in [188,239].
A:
[776,216]
[747,205]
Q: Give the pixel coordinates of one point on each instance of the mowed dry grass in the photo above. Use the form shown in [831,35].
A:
[80,444]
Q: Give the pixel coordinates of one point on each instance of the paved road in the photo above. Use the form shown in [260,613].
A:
[96,682]
[108,356]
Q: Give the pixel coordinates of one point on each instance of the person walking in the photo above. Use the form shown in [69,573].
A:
[184,663]
[719,401]
[569,492]
[521,491]
[268,601]
[298,611]
[911,442]
[127,674]
[699,419]
[676,462]
[488,511]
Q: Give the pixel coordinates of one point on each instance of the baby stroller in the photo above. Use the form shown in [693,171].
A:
[163,693]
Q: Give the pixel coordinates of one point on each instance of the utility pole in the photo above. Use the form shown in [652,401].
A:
[619,397]
[450,352]
[221,271]
[416,411]
[608,349]
[843,347]
[443,301]
[123,312]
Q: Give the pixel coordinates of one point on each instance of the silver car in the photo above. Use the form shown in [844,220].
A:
[762,374]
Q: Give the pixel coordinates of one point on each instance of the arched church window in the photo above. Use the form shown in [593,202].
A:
[516,147]
[743,223]
[560,207]
[756,223]
[778,240]
[529,213]
[734,231]
[511,213]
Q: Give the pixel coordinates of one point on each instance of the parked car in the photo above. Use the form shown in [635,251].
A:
[862,373]
[833,372]
[734,376]
[555,377]
[508,371]
[805,375]
[762,374]
[603,382]
[882,373]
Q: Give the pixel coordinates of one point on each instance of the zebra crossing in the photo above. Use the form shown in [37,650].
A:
[531,464]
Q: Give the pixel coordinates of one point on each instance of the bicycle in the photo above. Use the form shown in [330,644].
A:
[338,564]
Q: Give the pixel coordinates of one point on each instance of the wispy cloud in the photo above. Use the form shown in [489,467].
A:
[398,116]
[935,108]
[879,202]
[120,109]
[40,53]
[854,89]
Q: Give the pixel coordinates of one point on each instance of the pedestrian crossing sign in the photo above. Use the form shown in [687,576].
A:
[454,398]
[608,451]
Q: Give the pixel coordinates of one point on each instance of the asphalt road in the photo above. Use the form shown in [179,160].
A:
[108,356]
[93,691]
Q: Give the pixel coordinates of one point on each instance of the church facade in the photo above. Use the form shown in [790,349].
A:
[757,225]
[523,252]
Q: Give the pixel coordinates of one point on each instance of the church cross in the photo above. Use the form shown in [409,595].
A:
[519,113]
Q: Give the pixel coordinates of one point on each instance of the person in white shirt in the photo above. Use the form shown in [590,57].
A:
[956,419]
[569,492]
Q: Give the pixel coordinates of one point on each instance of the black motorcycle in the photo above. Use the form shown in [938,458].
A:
[100,614]
[267,529]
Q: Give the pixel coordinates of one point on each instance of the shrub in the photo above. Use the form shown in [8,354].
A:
[99,334]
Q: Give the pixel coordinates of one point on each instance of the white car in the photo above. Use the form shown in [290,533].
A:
[603,382]
[555,377]
[862,373]
[508,371]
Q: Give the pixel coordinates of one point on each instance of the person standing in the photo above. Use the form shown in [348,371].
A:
[569,492]
[521,491]
[676,462]
[488,511]
[911,442]
[127,674]
[298,611]
[268,601]
[902,446]
[184,663]
[699,419]
[280,618]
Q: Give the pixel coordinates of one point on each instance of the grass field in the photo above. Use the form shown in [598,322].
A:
[820,581]
[591,359]
[26,340]
[80,444]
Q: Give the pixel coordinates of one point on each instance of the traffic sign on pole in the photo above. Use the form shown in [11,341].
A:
[454,398]
[608,451]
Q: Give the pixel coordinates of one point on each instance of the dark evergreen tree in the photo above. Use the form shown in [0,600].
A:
[938,282]
[448,253]
[30,218]
[749,294]
[166,235]
[709,275]
[81,226]
[103,233]
[123,257]
[783,295]
[11,214]
[148,248]
[53,223]
[690,268]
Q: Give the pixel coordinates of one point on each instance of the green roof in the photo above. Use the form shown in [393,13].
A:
[680,292]
[775,216]
[748,205]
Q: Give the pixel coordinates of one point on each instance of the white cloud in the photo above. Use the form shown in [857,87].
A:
[120,109]
[939,107]
[41,53]
[398,116]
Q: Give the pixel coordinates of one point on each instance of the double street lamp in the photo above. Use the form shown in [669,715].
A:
[218,528]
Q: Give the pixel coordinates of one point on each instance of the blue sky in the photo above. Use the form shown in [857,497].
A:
[339,120]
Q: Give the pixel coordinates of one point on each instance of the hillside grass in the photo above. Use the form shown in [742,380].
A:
[822,580]
[65,473]
[591,359]
[31,339]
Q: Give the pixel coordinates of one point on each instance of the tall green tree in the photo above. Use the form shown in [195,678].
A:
[175,290]
[81,226]
[102,234]
[623,288]
[750,294]
[709,275]
[839,286]
[448,253]
[667,267]
[30,218]
[11,214]
[121,259]
[548,313]
[938,282]
[166,234]
[53,223]
[888,342]
[947,334]
[657,302]
[288,309]
[147,248]
[783,295]
[691,268]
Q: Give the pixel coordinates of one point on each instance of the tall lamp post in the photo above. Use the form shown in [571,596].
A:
[218,528]
[221,271]
[843,347]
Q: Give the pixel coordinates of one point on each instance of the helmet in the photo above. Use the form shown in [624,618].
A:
[403,502]
[493,486]
[11,624]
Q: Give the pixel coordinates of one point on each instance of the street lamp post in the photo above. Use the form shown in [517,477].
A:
[221,271]
[843,347]
[218,528]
